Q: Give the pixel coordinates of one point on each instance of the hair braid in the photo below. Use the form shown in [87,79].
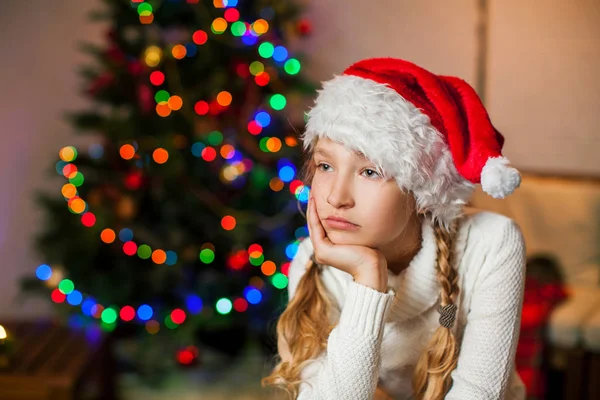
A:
[432,379]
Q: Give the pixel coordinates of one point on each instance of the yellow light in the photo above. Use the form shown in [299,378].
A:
[260,26]
[219,25]
[2,332]
[152,56]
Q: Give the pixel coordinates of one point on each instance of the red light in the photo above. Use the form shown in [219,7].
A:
[157,78]
[232,14]
[254,128]
[130,248]
[240,305]
[185,357]
[58,296]
[209,154]
[262,79]
[285,268]
[178,316]
[199,37]
[127,313]
[201,108]
[88,219]
[255,247]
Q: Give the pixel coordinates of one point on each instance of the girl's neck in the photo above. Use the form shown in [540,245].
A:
[402,253]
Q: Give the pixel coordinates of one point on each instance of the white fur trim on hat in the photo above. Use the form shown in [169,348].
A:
[498,179]
[375,120]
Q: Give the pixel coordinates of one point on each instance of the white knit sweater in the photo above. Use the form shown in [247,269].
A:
[380,336]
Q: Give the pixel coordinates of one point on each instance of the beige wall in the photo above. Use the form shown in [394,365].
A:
[543,83]
[541,89]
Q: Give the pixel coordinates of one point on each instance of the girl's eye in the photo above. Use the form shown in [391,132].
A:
[374,173]
[322,165]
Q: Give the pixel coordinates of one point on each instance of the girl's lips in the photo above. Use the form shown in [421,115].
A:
[341,225]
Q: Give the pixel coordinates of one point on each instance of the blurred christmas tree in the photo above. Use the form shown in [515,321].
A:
[187,216]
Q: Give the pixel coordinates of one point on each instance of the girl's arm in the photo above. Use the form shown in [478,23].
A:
[488,348]
[350,368]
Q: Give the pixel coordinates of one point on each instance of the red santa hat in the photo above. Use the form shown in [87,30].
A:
[430,132]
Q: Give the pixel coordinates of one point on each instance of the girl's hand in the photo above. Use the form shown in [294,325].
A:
[366,265]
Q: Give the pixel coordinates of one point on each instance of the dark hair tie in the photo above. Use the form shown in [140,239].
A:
[314,261]
[447,315]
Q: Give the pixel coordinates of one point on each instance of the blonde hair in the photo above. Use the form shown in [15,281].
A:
[305,325]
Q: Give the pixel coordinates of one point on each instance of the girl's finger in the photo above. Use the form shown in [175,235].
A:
[317,231]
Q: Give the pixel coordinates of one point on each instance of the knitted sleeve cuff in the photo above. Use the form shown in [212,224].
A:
[365,309]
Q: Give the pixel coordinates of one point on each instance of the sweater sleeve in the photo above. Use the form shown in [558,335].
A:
[488,348]
[349,369]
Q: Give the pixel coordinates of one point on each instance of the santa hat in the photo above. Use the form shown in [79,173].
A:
[430,132]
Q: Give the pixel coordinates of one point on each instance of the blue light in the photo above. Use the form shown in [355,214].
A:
[263,119]
[267,13]
[87,305]
[291,250]
[43,272]
[171,257]
[304,194]
[249,40]
[76,321]
[282,162]
[125,235]
[280,53]
[59,166]
[96,151]
[287,173]
[74,298]
[197,149]
[190,49]
[301,232]
[145,312]
[194,303]
[253,296]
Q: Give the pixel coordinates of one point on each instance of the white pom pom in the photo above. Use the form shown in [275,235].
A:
[498,179]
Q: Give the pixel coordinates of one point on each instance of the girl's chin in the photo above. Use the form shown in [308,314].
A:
[344,237]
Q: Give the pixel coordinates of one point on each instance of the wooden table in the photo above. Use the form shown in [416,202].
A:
[52,361]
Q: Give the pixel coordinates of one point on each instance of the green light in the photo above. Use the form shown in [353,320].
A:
[260,176]
[109,316]
[162,95]
[238,28]
[108,327]
[224,306]
[66,286]
[279,280]
[207,256]
[144,7]
[144,251]
[215,138]
[292,66]
[278,101]
[257,261]
[169,322]
[256,67]
[263,144]
[266,50]
[77,180]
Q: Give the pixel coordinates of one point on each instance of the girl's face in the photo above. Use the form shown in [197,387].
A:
[347,185]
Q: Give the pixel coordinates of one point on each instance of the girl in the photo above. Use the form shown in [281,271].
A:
[398,292]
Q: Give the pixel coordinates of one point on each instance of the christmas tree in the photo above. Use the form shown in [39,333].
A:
[183,216]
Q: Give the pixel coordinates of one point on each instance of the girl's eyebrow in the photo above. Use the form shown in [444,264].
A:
[322,152]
